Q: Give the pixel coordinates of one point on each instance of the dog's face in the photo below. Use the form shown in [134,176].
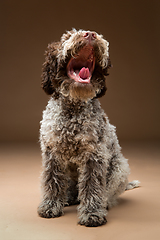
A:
[76,66]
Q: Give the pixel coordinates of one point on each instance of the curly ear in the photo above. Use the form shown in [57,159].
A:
[105,70]
[49,69]
[103,83]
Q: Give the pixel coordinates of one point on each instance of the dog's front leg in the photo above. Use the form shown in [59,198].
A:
[92,193]
[53,187]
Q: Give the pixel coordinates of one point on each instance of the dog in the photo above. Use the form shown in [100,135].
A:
[81,156]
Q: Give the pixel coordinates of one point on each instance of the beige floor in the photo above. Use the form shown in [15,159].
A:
[136,217]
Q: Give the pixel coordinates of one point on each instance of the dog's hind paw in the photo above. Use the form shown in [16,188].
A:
[133,184]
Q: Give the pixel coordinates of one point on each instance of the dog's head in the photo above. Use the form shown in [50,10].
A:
[76,66]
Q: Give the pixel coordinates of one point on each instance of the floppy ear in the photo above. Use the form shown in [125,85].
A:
[49,69]
[105,70]
[103,83]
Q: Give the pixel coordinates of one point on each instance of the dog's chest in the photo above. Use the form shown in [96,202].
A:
[76,132]
[72,131]
[79,131]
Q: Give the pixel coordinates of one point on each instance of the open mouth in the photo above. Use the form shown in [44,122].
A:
[81,66]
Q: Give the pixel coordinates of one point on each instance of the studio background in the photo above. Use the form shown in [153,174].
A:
[132,29]
[132,101]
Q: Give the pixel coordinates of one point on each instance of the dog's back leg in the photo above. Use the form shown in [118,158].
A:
[133,184]
[72,190]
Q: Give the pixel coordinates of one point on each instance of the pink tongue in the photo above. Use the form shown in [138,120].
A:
[84,73]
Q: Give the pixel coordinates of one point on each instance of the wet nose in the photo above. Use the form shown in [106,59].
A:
[90,35]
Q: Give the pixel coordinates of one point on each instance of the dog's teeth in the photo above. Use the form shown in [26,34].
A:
[90,58]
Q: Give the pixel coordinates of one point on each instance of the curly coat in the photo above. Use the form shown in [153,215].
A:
[82,159]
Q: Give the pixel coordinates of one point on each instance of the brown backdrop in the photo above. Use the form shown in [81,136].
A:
[131,27]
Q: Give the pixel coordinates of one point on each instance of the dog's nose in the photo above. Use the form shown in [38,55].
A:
[89,35]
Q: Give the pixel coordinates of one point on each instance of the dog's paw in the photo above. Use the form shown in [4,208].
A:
[49,210]
[92,220]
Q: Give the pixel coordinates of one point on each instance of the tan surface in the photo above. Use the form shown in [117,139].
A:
[136,217]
